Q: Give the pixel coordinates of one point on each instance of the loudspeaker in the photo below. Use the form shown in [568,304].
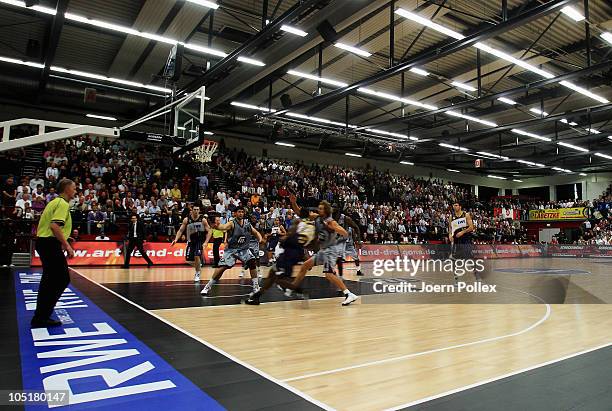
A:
[326,30]
[286,101]
[178,65]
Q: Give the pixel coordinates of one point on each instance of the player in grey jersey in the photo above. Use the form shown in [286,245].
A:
[240,232]
[328,230]
[348,249]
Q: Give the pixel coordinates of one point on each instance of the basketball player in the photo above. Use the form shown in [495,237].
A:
[239,236]
[291,251]
[276,232]
[460,232]
[254,247]
[347,245]
[327,230]
[198,232]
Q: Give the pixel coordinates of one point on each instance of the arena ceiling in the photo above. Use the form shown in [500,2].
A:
[424,86]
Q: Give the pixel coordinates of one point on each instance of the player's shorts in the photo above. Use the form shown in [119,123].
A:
[193,250]
[254,247]
[463,248]
[350,251]
[272,242]
[327,257]
[230,255]
[289,258]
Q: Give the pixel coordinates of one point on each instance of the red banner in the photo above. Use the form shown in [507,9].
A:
[111,253]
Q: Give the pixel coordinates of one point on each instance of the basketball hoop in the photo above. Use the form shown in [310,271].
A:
[204,153]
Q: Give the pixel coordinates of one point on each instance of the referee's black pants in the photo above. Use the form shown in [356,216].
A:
[216,246]
[55,277]
[135,243]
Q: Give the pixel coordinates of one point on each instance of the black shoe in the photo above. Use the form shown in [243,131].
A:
[44,323]
[359,273]
[252,301]
[149,265]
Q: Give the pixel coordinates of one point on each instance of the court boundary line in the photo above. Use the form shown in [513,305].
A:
[215,348]
[493,379]
[418,354]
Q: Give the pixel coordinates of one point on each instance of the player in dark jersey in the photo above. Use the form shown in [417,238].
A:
[240,232]
[276,232]
[460,232]
[299,236]
[198,232]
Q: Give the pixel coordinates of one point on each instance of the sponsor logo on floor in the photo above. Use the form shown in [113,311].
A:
[95,360]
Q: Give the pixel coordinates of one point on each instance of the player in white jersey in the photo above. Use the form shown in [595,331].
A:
[198,232]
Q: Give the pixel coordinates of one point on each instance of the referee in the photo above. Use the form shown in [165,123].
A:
[54,228]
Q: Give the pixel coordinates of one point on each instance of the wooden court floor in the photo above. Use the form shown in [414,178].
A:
[379,354]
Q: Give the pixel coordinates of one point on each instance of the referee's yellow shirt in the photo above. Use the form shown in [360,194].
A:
[217,233]
[57,211]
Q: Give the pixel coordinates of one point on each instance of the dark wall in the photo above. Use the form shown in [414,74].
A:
[486,193]
[566,191]
[541,193]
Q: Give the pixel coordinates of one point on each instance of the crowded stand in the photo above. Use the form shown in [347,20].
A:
[116,179]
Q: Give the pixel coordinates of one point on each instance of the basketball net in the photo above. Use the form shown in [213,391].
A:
[204,153]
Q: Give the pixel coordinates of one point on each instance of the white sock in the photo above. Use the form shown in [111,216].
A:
[197,273]
[211,283]
[255,282]
[346,292]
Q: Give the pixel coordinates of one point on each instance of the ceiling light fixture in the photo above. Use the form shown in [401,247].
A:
[518,181]
[252,107]
[408,163]
[452,170]
[497,177]
[474,119]
[85,74]
[21,62]
[101,117]
[280,143]
[293,30]
[352,155]
[485,154]
[453,147]
[607,36]
[426,22]
[568,145]
[538,112]
[603,156]
[317,78]
[419,71]
[205,3]
[528,134]
[389,133]
[251,61]
[463,86]
[584,91]
[507,101]
[353,50]
[572,13]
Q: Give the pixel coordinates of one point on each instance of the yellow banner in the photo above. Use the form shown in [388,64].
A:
[576,213]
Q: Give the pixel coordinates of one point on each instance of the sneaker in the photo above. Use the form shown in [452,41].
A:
[256,288]
[196,277]
[359,273]
[350,297]
[252,301]
[206,289]
[241,275]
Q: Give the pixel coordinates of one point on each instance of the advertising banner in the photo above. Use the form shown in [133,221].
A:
[111,253]
[576,213]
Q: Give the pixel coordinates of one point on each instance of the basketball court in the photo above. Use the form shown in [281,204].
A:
[398,113]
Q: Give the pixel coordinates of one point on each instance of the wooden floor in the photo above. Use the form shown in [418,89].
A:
[377,355]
